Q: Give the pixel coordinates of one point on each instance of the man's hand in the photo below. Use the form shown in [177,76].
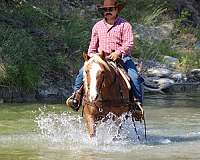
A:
[114,56]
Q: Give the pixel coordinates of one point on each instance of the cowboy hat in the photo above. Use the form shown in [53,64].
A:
[112,3]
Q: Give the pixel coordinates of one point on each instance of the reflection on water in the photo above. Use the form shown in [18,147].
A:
[39,132]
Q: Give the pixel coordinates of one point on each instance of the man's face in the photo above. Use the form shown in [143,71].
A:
[110,12]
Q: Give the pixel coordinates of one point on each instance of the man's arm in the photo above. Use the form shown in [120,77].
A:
[127,40]
[94,42]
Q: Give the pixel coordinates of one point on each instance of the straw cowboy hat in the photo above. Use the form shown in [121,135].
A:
[112,3]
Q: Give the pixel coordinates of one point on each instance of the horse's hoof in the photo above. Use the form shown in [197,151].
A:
[92,135]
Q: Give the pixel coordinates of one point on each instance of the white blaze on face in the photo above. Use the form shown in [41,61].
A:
[93,81]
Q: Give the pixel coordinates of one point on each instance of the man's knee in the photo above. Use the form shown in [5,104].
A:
[133,74]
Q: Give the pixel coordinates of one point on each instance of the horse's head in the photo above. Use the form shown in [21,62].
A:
[95,71]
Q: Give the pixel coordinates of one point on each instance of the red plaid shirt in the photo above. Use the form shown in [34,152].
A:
[118,38]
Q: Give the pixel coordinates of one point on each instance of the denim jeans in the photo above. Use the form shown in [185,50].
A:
[136,80]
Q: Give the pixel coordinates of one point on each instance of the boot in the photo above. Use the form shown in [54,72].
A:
[138,111]
[75,100]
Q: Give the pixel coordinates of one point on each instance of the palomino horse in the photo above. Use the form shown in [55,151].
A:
[105,91]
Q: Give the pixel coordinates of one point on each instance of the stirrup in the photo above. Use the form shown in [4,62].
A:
[138,111]
[139,105]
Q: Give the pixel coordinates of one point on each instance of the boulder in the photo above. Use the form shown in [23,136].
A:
[165,83]
[194,75]
[178,77]
[153,34]
[159,72]
[171,61]
[1,101]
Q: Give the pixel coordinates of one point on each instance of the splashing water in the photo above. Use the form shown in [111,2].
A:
[67,128]
[173,133]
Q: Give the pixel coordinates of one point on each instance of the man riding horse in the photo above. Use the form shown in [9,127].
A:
[114,36]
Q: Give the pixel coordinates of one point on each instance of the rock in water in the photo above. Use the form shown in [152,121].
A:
[171,61]
[164,83]
[159,72]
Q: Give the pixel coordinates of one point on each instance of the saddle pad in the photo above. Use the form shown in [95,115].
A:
[125,77]
[123,73]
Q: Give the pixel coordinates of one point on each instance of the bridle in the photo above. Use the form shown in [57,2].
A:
[100,102]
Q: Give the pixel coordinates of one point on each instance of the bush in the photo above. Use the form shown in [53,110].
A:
[42,45]
[21,67]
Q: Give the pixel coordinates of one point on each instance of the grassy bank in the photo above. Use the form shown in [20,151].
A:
[42,42]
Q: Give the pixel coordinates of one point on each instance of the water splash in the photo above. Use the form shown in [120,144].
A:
[60,127]
[70,129]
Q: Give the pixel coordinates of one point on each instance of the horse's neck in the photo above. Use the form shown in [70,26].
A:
[115,87]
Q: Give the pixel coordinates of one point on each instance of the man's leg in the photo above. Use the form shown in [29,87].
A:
[136,80]
[136,87]
[78,80]
[74,101]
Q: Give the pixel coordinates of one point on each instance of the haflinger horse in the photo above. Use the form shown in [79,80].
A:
[106,90]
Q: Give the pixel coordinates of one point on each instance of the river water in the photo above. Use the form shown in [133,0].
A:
[53,132]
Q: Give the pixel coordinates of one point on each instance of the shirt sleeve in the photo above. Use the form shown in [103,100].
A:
[94,42]
[127,40]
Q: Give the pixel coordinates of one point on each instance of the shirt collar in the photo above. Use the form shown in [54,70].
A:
[116,20]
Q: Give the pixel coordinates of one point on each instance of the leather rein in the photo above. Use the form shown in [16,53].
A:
[101,103]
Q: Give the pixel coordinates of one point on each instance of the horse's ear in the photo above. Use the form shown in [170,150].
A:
[102,54]
[85,56]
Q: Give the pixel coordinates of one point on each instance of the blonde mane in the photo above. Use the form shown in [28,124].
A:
[96,58]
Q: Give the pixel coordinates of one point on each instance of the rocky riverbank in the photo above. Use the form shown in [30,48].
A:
[159,79]
[165,78]
[39,57]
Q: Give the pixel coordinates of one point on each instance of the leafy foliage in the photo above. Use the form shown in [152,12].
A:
[35,45]
[45,39]
[18,49]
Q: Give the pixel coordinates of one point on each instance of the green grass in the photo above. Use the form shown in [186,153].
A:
[29,57]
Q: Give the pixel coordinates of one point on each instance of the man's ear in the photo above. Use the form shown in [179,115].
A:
[102,55]
[85,56]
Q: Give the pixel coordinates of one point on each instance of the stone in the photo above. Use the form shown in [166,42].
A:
[195,73]
[171,61]
[178,77]
[165,83]
[1,101]
[153,34]
[159,72]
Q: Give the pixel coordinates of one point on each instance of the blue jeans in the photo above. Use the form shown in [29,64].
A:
[136,80]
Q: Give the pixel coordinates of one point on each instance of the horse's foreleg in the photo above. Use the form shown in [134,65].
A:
[91,125]
[90,120]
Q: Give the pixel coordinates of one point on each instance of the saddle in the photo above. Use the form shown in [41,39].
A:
[120,72]
[119,67]
[136,107]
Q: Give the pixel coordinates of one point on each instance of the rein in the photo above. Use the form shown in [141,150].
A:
[100,103]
